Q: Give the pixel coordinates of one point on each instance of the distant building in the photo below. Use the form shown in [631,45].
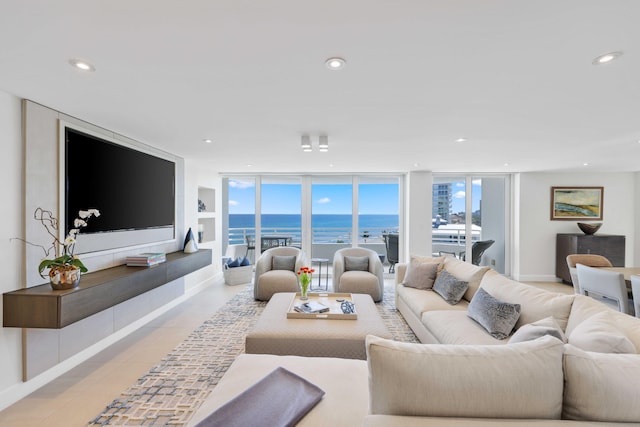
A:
[442,200]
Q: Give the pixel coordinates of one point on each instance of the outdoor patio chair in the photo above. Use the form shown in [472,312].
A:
[391,244]
[277,271]
[359,271]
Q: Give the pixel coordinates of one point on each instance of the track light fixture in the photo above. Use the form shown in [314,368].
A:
[323,143]
[305,143]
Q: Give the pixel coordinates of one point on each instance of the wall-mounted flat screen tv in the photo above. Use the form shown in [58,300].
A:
[133,190]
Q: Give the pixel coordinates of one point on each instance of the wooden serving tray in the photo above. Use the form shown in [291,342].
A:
[325,298]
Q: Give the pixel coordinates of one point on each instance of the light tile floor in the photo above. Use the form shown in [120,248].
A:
[82,393]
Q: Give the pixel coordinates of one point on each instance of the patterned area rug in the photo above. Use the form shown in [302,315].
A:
[171,392]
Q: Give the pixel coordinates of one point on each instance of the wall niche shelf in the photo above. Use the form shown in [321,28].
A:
[206,214]
[42,307]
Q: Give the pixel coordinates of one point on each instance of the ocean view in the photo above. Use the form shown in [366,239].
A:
[326,227]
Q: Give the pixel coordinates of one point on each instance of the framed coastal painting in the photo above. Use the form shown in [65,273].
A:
[576,203]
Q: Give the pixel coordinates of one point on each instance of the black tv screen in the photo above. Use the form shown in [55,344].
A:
[132,190]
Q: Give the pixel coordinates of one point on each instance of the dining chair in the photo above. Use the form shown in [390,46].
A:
[635,290]
[605,286]
[391,243]
[589,260]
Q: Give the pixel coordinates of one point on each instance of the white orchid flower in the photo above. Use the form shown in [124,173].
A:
[84,214]
[77,223]
[73,231]
[94,212]
[70,240]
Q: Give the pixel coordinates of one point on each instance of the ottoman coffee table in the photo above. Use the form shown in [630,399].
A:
[274,333]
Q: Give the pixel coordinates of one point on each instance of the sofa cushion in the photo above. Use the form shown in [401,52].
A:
[425,300]
[599,333]
[450,288]
[601,387]
[584,307]
[523,380]
[356,263]
[421,275]
[455,327]
[497,317]
[535,330]
[345,401]
[283,262]
[467,272]
[535,303]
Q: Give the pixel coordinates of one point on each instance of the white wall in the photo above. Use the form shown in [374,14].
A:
[536,237]
[11,225]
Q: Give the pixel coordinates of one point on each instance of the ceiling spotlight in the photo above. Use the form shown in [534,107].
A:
[335,63]
[305,143]
[207,140]
[323,143]
[461,140]
[606,58]
[82,65]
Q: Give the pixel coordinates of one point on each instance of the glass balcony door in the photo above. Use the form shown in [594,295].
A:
[470,217]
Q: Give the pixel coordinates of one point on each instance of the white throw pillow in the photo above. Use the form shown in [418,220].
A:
[522,380]
[601,387]
[535,330]
[599,333]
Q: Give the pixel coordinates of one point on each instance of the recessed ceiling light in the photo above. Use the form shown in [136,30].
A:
[415,165]
[506,164]
[585,164]
[335,63]
[461,140]
[207,140]
[606,58]
[82,65]
[249,165]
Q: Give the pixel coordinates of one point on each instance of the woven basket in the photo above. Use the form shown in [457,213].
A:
[237,275]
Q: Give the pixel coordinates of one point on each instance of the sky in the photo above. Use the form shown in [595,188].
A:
[380,199]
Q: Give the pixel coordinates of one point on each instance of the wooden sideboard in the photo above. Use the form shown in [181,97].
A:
[609,246]
[42,307]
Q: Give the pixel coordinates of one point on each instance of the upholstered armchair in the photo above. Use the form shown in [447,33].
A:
[277,271]
[358,271]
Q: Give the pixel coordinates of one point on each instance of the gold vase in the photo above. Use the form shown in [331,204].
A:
[65,277]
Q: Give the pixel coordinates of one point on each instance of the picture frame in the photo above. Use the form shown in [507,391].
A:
[577,203]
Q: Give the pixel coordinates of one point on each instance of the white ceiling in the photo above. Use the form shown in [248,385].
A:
[514,77]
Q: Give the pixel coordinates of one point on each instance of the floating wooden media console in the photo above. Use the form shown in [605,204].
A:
[42,307]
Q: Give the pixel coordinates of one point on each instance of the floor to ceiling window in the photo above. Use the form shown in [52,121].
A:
[469,218]
[319,214]
[280,212]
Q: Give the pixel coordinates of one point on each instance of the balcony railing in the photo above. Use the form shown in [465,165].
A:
[320,235]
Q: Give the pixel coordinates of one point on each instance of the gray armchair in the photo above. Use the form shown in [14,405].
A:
[277,271]
[358,271]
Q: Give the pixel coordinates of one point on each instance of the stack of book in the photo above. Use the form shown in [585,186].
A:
[311,307]
[146,259]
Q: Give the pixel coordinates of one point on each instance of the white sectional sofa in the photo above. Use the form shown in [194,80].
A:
[461,375]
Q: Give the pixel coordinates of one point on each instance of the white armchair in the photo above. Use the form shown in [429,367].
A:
[277,271]
[358,271]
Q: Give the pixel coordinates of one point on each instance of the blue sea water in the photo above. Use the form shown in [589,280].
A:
[326,227]
[318,221]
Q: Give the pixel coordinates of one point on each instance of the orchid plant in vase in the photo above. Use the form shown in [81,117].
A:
[305,281]
[65,268]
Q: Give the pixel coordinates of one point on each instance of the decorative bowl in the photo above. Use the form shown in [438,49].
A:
[589,229]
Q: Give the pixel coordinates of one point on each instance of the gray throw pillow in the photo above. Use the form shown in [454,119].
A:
[535,330]
[283,262]
[449,287]
[497,317]
[356,263]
